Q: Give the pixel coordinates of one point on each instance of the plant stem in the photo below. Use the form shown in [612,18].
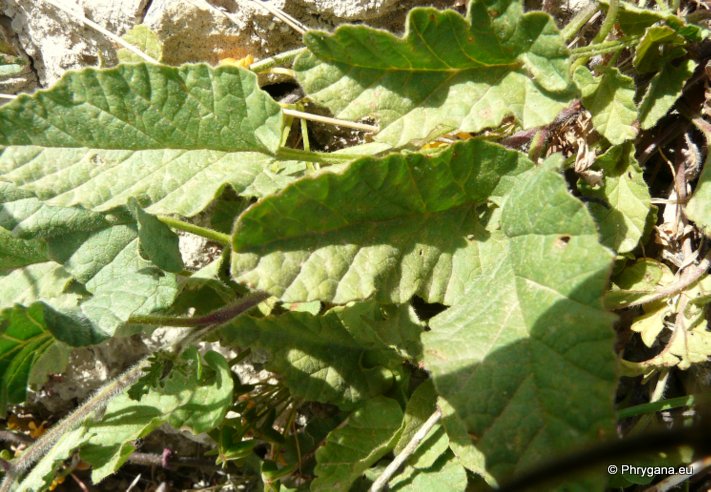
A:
[211,234]
[576,23]
[113,388]
[280,59]
[602,48]
[407,451]
[609,21]
[330,121]
[217,317]
[657,406]
[310,156]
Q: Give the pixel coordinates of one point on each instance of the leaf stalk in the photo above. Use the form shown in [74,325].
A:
[210,234]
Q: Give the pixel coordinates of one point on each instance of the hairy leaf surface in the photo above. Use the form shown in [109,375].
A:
[170,137]
[448,73]
[532,327]
[391,227]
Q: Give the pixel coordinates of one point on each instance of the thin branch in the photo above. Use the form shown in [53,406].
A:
[113,37]
[281,58]
[407,451]
[609,21]
[217,317]
[691,275]
[657,406]
[181,225]
[330,121]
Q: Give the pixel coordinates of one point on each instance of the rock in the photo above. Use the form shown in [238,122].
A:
[351,9]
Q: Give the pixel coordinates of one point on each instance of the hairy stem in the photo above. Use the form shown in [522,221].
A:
[609,21]
[181,225]
[217,317]
[310,156]
[281,59]
[576,23]
[113,388]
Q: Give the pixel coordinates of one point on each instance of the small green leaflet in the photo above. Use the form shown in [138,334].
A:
[448,73]
[393,227]
[532,326]
[610,100]
[626,214]
[170,137]
[367,435]
[664,89]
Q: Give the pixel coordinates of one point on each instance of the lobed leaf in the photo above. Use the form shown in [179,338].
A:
[392,227]
[170,137]
[447,74]
[532,326]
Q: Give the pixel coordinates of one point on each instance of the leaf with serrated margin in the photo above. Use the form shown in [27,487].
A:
[170,137]
[318,359]
[448,73]
[532,326]
[24,341]
[664,89]
[393,227]
[623,210]
[367,435]
[699,207]
[610,100]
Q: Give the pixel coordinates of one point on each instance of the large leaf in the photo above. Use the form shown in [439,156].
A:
[389,227]
[623,209]
[317,357]
[367,435]
[170,137]
[610,100]
[448,73]
[532,327]
[41,281]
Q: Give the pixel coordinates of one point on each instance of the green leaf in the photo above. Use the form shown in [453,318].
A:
[634,20]
[45,471]
[657,48]
[16,252]
[158,242]
[24,339]
[377,325]
[445,475]
[624,218]
[699,207]
[610,100]
[664,90]
[318,359]
[195,396]
[41,281]
[446,74]
[367,435]
[532,327]
[390,228]
[170,137]
[145,40]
